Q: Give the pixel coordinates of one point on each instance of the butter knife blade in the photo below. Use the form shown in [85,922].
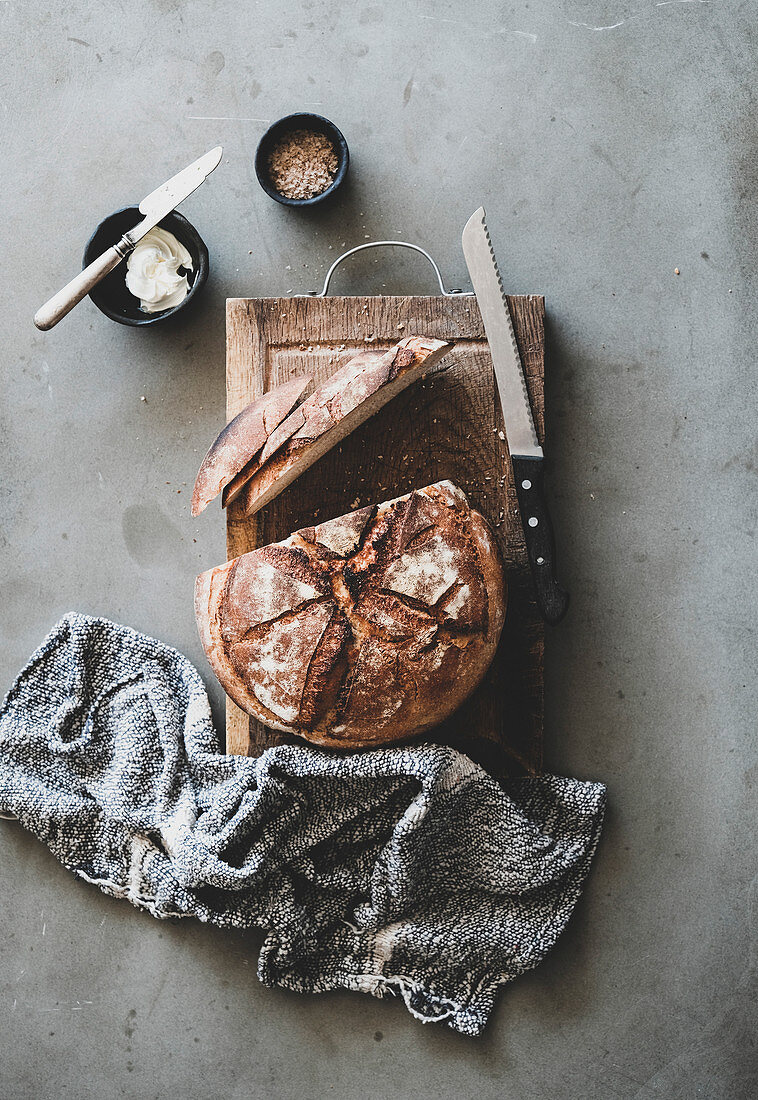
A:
[167,197]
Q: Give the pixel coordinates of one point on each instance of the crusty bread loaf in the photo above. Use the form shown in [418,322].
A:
[364,630]
[353,393]
[242,439]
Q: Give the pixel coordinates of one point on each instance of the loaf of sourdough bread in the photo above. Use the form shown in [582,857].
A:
[364,630]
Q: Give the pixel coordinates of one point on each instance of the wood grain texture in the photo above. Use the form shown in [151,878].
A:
[449,425]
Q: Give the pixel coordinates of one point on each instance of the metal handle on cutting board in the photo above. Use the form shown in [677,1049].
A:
[381,244]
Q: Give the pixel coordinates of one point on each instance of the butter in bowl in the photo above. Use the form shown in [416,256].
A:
[164,273]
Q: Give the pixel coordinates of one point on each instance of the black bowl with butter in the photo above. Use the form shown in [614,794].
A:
[112,296]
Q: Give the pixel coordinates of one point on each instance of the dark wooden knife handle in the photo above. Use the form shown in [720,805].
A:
[552,601]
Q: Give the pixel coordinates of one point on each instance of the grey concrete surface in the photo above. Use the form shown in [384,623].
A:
[611,143]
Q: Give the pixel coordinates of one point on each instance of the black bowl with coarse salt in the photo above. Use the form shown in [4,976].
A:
[315,124]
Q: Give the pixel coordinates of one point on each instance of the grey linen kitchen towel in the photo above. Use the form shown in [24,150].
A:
[402,870]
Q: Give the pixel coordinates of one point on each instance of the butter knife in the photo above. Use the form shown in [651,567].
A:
[155,207]
[526,454]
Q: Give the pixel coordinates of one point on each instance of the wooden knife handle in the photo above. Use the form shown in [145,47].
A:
[552,601]
[64,301]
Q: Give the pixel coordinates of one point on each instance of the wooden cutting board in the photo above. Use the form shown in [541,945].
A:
[447,426]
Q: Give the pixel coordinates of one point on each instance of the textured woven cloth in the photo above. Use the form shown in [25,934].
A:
[403,870]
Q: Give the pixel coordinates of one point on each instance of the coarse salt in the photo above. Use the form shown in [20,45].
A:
[302,164]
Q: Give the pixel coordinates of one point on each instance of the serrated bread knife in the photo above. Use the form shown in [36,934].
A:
[525,451]
[155,207]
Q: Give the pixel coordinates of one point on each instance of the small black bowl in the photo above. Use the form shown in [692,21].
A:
[285,125]
[111,295]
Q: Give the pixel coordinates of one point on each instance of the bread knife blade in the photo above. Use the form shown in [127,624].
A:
[154,207]
[526,453]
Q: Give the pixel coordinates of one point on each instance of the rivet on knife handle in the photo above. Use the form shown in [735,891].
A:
[538,532]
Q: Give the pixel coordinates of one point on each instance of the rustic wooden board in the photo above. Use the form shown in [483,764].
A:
[447,426]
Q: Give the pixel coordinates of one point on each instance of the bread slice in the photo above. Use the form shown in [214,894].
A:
[285,431]
[354,393]
[363,630]
[242,438]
